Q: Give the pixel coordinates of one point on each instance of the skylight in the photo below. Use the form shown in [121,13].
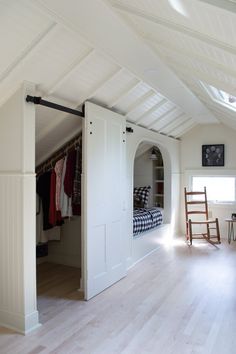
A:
[222,97]
[178,6]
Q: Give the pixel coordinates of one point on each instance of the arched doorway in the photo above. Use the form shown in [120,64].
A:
[149,171]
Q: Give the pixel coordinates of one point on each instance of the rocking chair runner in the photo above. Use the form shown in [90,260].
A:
[203,210]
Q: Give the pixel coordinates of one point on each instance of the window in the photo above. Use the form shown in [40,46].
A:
[219,189]
[224,98]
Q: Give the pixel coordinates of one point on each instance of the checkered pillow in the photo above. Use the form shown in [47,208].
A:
[143,193]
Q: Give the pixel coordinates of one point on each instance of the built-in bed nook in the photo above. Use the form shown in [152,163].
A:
[148,192]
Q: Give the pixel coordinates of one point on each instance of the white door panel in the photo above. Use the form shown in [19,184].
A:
[104,198]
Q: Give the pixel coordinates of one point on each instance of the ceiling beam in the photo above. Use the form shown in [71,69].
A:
[187,129]
[129,89]
[168,120]
[98,87]
[69,71]
[175,27]
[150,126]
[174,124]
[104,30]
[141,100]
[183,128]
[151,110]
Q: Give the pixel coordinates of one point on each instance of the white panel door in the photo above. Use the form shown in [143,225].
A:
[104,199]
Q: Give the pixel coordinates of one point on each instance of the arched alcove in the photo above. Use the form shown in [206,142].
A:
[149,171]
[139,247]
[154,172]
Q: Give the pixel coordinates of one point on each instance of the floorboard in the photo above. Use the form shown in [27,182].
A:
[178,300]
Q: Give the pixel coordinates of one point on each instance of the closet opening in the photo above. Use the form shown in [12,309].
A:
[58,216]
[149,187]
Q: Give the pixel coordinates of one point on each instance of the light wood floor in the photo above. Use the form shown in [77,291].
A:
[178,300]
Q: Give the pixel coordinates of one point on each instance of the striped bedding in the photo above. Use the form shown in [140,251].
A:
[145,219]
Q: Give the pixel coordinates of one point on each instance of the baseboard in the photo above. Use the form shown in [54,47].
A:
[146,243]
[142,258]
[19,323]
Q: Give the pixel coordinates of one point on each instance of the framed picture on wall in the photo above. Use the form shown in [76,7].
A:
[213,155]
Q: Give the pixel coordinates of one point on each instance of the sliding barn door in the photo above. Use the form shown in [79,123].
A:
[104,199]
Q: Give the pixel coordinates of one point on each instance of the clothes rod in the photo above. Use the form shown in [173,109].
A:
[40,101]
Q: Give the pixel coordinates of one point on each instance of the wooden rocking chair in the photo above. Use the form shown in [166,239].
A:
[202,208]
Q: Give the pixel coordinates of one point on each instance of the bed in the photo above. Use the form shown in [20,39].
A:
[145,219]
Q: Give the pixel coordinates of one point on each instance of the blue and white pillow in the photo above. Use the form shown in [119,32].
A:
[143,193]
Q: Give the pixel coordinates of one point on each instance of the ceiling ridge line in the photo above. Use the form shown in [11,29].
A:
[176,27]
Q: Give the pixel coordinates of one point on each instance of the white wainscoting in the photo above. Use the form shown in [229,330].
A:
[17,266]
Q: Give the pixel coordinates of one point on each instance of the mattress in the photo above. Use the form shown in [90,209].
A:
[145,219]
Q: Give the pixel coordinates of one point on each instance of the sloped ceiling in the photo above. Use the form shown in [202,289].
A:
[195,38]
[138,57]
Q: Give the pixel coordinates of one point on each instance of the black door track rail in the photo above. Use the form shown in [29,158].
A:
[58,107]
[40,101]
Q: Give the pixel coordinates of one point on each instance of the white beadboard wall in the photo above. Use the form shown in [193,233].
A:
[17,213]
[11,294]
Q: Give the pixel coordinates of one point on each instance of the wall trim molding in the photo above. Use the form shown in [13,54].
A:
[18,322]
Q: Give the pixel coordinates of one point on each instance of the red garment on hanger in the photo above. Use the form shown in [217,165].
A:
[70,173]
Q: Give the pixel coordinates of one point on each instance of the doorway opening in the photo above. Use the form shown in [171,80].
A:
[58,217]
[148,192]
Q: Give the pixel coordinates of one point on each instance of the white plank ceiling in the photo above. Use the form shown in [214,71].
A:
[44,43]
[196,39]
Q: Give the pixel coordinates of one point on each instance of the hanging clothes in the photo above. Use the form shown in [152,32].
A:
[67,184]
[76,198]
[58,170]
[43,190]
[65,202]
[70,173]
[52,206]
[52,234]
